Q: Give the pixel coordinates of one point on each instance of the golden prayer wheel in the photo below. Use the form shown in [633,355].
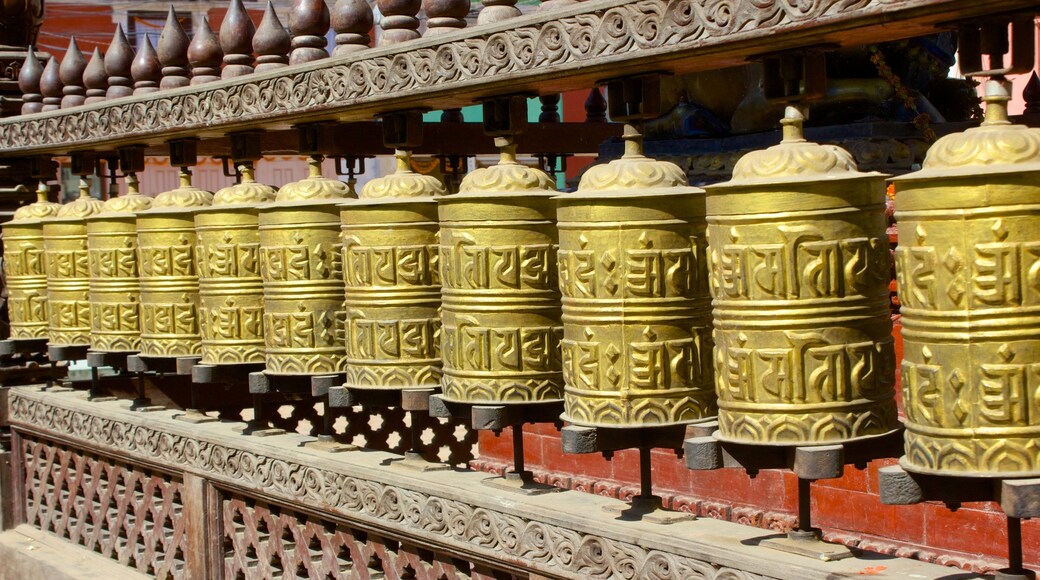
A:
[799,275]
[302,277]
[967,267]
[501,299]
[169,280]
[392,282]
[25,268]
[636,313]
[114,287]
[231,292]
[68,270]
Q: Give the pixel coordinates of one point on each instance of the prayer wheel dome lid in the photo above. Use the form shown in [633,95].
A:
[634,174]
[40,209]
[132,202]
[185,196]
[508,177]
[995,147]
[248,191]
[403,183]
[794,160]
[83,206]
[314,187]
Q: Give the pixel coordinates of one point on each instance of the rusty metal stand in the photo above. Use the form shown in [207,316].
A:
[17,354]
[646,506]
[234,376]
[67,353]
[809,463]
[496,418]
[1018,498]
[263,385]
[415,401]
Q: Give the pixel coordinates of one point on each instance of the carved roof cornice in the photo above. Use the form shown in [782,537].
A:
[567,48]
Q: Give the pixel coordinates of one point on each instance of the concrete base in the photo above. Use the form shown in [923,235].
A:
[27,553]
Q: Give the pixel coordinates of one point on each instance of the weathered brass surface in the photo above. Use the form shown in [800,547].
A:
[115,292]
[25,268]
[169,280]
[636,313]
[967,266]
[301,269]
[68,270]
[799,265]
[501,299]
[230,289]
[392,282]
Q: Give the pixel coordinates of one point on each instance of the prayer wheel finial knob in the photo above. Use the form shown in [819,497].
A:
[205,55]
[146,70]
[71,73]
[236,40]
[309,22]
[351,19]
[399,23]
[173,53]
[50,85]
[29,84]
[271,42]
[95,79]
[118,62]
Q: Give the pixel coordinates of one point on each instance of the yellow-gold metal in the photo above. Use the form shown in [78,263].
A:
[392,282]
[636,313]
[968,269]
[501,300]
[114,288]
[302,277]
[169,280]
[25,268]
[68,270]
[799,270]
[231,292]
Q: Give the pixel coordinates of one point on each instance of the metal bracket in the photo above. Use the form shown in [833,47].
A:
[990,36]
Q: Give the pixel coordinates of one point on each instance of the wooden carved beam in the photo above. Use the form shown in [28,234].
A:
[545,52]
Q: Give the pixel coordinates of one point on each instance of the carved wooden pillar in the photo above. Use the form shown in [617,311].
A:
[94,78]
[236,40]
[205,55]
[50,86]
[173,53]
[271,43]
[71,73]
[445,15]
[309,22]
[118,61]
[351,19]
[29,84]
[399,23]
[497,11]
[146,70]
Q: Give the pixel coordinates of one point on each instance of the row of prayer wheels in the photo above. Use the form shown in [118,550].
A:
[639,300]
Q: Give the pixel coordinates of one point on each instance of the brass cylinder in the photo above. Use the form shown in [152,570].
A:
[302,274]
[68,270]
[636,315]
[392,282]
[799,264]
[25,268]
[169,279]
[231,293]
[114,288]
[967,267]
[501,300]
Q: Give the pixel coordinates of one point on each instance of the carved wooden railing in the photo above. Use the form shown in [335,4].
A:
[569,47]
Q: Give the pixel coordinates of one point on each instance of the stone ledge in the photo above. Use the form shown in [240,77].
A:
[26,553]
[562,535]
